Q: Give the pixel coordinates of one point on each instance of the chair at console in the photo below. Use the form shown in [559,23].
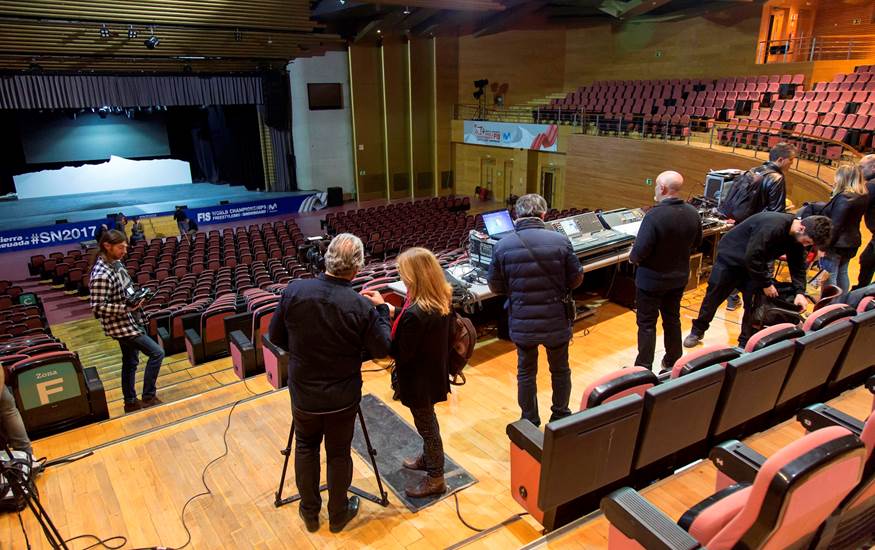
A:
[782,506]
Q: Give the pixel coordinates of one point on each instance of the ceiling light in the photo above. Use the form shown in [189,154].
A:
[406,10]
[104,32]
[132,32]
[152,42]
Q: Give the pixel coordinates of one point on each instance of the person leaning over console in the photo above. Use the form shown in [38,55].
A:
[669,232]
[743,258]
[536,269]
[326,326]
[108,284]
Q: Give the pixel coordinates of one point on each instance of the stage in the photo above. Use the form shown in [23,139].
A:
[37,212]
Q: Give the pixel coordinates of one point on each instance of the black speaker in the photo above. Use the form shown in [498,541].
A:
[277,102]
[335,196]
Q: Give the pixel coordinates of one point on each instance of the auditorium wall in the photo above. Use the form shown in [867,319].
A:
[600,173]
[322,139]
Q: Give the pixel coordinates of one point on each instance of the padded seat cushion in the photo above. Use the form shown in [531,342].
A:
[771,335]
[826,316]
[703,357]
[617,384]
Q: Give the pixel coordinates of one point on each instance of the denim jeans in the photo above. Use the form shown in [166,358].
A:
[837,267]
[527,387]
[11,424]
[131,348]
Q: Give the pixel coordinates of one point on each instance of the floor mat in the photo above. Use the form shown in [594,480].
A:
[395,439]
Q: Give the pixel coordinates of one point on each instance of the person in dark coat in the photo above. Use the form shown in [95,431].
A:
[743,261]
[421,340]
[846,209]
[326,327]
[669,233]
[536,269]
[867,257]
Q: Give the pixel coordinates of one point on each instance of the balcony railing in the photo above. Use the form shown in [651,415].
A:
[816,48]
[816,153]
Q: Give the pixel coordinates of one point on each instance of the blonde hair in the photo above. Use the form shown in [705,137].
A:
[425,282]
[849,179]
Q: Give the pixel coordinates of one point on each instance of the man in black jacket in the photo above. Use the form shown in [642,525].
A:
[536,268]
[326,326]
[781,157]
[743,258]
[867,257]
[670,231]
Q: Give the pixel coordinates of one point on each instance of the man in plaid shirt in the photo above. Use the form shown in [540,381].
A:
[108,282]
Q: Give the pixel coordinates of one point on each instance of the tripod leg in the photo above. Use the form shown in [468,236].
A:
[373,454]
[287,452]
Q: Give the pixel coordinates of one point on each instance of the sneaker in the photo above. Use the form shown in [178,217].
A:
[131,406]
[732,303]
[150,402]
[692,340]
[352,510]
[311,523]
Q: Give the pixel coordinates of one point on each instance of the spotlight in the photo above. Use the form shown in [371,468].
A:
[238,36]
[132,32]
[104,32]
[152,42]
[406,10]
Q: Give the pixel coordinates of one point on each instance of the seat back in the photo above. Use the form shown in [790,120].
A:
[857,356]
[771,335]
[795,491]
[617,384]
[855,520]
[753,383]
[678,415]
[703,357]
[816,355]
[50,390]
[275,363]
[826,316]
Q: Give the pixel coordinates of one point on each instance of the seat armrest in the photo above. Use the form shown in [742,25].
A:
[870,384]
[275,349]
[240,341]
[163,334]
[193,336]
[239,322]
[737,461]
[664,376]
[815,417]
[527,437]
[689,517]
[639,520]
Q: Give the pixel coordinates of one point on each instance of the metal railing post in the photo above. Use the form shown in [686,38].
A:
[689,132]
[813,46]
[850,47]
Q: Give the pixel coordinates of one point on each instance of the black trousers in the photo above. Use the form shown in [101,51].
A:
[867,264]
[337,429]
[721,283]
[432,446]
[527,387]
[649,305]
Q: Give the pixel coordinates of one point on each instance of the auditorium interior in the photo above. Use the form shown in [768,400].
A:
[231,140]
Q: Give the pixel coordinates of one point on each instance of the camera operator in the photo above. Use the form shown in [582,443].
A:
[326,327]
[11,425]
[111,293]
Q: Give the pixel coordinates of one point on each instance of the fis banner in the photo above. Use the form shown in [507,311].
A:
[59,234]
[540,137]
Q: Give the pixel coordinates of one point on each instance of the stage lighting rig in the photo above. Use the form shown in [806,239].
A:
[152,42]
[480,84]
[132,32]
[104,31]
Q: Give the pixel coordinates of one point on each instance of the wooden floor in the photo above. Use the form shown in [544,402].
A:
[147,464]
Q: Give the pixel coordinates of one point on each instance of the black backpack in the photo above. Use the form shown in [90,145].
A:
[462,341]
[747,196]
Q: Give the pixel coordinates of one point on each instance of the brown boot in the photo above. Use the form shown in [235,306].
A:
[417,463]
[426,487]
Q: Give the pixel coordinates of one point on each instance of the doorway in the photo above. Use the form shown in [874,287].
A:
[548,185]
[488,176]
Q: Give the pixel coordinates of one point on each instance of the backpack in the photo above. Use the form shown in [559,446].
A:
[19,464]
[747,196]
[462,342]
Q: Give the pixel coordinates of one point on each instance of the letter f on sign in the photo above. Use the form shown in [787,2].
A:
[45,389]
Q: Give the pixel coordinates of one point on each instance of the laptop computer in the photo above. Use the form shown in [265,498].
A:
[498,223]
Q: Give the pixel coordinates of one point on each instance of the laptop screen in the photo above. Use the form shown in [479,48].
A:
[498,222]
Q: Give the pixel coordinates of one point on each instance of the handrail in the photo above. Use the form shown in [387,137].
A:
[632,127]
[815,48]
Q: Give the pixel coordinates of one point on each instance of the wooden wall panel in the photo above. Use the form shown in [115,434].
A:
[368,106]
[397,116]
[446,87]
[468,169]
[836,17]
[601,174]
[423,103]
[531,63]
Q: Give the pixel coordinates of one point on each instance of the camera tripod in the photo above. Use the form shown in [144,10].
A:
[24,489]
[382,500]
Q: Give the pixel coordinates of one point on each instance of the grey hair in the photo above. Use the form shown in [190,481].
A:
[530,206]
[345,255]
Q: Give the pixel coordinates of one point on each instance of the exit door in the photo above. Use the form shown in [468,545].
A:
[548,186]
[488,176]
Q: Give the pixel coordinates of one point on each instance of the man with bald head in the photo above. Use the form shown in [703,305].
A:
[669,233]
[867,258]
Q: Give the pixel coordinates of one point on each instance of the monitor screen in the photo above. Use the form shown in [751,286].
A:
[498,222]
[712,187]
[724,190]
[570,227]
[325,96]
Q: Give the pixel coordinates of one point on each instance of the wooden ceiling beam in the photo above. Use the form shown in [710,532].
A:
[508,18]
[460,5]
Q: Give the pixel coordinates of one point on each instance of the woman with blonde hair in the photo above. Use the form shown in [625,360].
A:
[846,208]
[421,343]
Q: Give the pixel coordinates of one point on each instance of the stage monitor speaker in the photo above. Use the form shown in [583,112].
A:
[335,196]
[224,202]
[277,102]
[61,221]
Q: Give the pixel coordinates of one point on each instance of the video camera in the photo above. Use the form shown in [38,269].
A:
[134,295]
[312,253]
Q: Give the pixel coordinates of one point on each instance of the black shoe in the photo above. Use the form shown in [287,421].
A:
[352,510]
[311,523]
[732,303]
[150,402]
[131,406]
[692,340]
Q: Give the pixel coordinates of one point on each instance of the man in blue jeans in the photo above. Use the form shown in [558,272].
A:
[108,285]
[536,269]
